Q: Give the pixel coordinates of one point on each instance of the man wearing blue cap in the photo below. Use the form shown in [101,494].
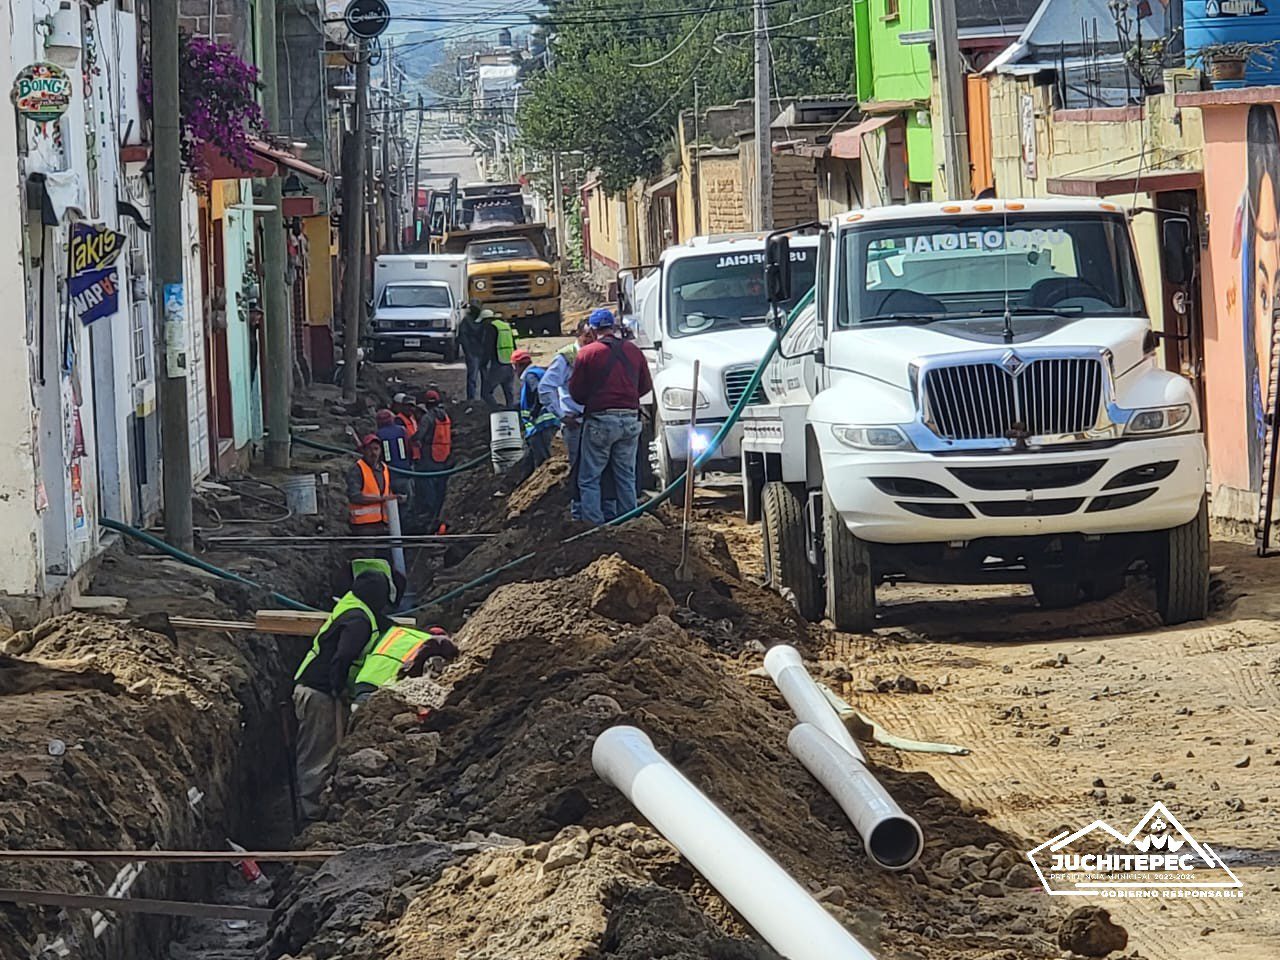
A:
[609,378]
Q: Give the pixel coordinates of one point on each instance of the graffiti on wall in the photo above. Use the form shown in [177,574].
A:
[1257,244]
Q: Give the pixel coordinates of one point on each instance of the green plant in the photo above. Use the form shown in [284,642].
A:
[1250,51]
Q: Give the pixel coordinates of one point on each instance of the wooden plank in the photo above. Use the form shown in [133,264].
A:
[302,623]
[170,908]
[170,856]
[198,623]
[111,606]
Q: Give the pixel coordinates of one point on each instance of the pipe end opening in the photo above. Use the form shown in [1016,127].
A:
[895,843]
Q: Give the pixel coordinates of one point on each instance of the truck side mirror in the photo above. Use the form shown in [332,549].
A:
[777,268]
[1176,252]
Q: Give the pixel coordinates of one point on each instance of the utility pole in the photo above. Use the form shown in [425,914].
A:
[278,372]
[353,177]
[764,118]
[417,167]
[955,130]
[169,299]
[557,207]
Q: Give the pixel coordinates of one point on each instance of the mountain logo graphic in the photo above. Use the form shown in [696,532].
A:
[1157,858]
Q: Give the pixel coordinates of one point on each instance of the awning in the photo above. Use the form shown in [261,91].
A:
[848,143]
[1149,181]
[267,161]
[667,185]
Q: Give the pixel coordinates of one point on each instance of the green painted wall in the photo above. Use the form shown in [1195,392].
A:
[888,70]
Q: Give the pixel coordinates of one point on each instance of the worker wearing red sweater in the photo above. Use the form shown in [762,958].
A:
[609,378]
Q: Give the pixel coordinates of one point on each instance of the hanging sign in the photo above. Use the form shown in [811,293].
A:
[95,281]
[367,19]
[42,92]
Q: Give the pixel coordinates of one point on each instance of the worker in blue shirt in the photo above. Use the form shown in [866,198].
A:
[553,391]
[395,451]
[539,423]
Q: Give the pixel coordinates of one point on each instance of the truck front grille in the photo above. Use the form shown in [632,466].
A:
[735,385]
[985,401]
[511,286]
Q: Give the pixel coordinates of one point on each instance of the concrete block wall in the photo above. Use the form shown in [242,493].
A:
[723,197]
[795,189]
[227,21]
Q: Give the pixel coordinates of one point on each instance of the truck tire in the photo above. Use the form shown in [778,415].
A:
[451,351]
[644,462]
[851,588]
[1182,571]
[665,469]
[786,560]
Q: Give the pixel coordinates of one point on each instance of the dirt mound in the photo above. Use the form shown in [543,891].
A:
[540,676]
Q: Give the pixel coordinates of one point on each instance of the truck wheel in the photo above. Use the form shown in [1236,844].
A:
[451,352]
[1055,593]
[1182,571]
[786,560]
[851,588]
[648,476]
[665,469]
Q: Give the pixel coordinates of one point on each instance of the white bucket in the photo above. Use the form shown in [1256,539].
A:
[300,495]
[506,440]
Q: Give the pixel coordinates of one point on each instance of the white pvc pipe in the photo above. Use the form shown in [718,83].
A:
[775,905]
[892,839]
[805,698]
[393,528]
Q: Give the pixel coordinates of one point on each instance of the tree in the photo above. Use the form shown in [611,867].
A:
[622,70]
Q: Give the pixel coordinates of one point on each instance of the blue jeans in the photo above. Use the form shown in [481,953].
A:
[475,369]
[609,442]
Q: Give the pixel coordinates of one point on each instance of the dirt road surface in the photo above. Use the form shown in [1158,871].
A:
[1095,713]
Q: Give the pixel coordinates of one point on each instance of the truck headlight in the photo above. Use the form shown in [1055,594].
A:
[540,280]
[479,285]
[681,398]
[872,438]
[1159,419]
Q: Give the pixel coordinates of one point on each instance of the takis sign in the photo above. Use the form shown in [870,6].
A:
[367,19]
[42,92]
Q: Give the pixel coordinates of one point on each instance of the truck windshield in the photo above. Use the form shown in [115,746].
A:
[416,295]
[514,249]
[721,291]
[921,271]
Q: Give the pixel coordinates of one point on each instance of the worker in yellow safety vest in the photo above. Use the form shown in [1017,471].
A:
[400,652]
[324,676]
[500,375]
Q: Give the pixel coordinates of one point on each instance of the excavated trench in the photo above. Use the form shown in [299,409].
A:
[472,820]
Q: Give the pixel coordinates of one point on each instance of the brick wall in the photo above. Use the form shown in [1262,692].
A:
[231,22]
[724,204]
[795,190]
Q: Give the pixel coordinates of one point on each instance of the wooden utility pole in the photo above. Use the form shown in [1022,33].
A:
[417,168]
[955,129]
[278,369]
[764,119]
[170,298]
[557,207]
[354,148]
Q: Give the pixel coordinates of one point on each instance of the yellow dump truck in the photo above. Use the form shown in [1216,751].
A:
[508,268]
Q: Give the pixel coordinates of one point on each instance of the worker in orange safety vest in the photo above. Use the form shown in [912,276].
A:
[435,439]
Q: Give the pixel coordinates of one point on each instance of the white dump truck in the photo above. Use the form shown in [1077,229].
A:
[418,301]
[974,397]
[705,300]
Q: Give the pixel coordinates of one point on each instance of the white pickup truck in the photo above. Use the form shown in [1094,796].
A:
[418,301]
[706,301]
[973,397]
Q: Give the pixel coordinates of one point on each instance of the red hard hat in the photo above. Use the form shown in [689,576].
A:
[384,417]
[437,631]
[369,439]
[521,356]
[431,396]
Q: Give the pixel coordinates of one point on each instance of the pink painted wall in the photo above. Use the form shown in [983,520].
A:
[1230,282]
